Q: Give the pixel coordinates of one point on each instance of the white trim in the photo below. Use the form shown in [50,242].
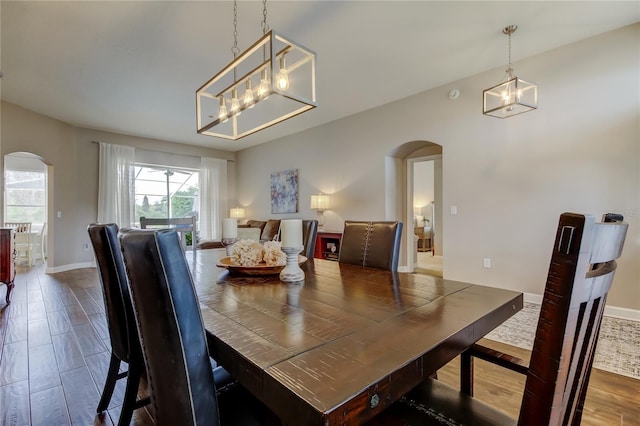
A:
[610,311]
[64,268]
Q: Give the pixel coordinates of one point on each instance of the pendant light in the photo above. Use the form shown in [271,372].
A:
[283,73]
[513,96]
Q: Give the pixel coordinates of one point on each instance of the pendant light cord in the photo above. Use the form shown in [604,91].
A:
[234,48]
[508,31]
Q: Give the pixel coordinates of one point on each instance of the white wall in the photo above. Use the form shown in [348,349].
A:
[73,175]
[510,179]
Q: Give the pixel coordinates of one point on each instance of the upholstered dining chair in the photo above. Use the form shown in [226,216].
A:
[309,233]
[181,383]
[125,346]
[372,244]
[557,376]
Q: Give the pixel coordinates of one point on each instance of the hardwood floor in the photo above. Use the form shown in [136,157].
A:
[54,354]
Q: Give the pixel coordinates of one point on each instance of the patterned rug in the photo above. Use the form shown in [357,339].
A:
[618,348]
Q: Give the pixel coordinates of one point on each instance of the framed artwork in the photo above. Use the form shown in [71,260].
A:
[284,191]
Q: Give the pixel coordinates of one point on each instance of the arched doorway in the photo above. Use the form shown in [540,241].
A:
[400,201]
[26,198]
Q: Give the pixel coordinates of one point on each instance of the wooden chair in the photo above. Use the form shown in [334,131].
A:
[182,385]
[182,224]
[579,279]
[372,244]
[123,334]
[23,243]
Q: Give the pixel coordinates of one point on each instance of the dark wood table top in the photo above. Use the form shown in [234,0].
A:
[345,344]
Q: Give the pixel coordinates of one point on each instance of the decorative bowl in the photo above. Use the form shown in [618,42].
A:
[259,269]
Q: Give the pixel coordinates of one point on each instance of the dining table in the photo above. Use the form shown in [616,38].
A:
[346,342]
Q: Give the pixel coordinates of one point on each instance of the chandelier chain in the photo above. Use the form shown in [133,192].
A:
[510,50]
[265,26]
[235,50]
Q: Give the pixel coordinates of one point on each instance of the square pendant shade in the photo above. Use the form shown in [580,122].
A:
[509,98]
[270,82]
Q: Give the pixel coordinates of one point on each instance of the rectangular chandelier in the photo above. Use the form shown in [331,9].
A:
[509,98]
[272,81]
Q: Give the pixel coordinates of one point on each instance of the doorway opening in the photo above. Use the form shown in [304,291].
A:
[426,171]
[26,202]
[399,198]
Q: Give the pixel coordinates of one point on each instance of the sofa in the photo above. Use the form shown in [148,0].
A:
[268,230]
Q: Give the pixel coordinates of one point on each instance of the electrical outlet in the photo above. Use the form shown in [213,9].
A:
[86,246]
[486,262]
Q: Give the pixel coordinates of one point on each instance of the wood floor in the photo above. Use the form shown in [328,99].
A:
[54,353]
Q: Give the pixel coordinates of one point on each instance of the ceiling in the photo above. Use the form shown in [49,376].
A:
[132,67]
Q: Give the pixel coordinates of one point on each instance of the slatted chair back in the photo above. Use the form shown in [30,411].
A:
[372,244]
[182,225]
[582,267]
[22,238]
[580,276]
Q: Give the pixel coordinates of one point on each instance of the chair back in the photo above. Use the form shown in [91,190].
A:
[580,275]
[120,317]
[22,239]
[372,244]
[181,382]
[181,224]
[19,227]
[309,232]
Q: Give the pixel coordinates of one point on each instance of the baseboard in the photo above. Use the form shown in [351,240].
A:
[64,268]
[610,311]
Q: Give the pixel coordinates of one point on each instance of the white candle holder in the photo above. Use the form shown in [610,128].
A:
[292,271]
[228,244]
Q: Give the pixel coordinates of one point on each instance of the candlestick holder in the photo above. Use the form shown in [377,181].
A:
[292,271]
[228,244]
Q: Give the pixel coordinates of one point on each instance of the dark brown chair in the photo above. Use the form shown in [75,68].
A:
[372,244]
[309,232]
[120,319]
[181,383]
[580,276]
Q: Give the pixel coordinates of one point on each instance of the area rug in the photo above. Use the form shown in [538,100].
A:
[618,349]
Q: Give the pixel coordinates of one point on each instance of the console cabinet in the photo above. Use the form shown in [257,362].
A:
[328,245]
[7,260]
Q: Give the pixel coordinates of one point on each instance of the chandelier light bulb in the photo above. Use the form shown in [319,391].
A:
[263,89]
[249,101]
[223,115]
[282,79]
[235,104]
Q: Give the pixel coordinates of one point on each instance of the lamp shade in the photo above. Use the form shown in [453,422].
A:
[319,202]
[236,213]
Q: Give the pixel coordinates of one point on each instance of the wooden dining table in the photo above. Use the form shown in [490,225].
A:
[346,342]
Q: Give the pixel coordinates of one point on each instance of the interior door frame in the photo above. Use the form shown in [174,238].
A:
[410,242]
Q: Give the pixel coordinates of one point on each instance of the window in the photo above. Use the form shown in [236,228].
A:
[165,192]
[25,196]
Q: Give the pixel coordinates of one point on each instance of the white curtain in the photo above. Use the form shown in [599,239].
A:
[213,197]
[116,188]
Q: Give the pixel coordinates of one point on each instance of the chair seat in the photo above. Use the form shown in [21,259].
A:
[434,403]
